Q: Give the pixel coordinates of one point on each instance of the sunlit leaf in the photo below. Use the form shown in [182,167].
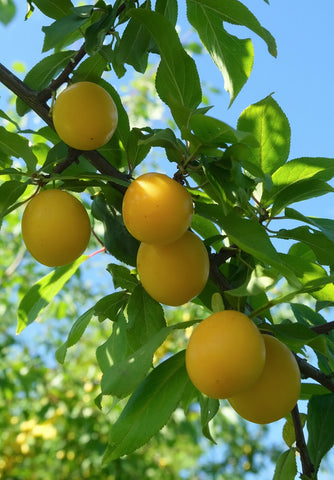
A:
[42,292]
[148,408]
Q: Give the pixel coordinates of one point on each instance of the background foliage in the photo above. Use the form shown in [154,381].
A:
[74,402]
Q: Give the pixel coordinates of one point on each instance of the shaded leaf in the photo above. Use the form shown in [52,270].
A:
[122,277]
[61,29]
[250,236]
[110,305]
[17,146]
[311,389]
[117,239]
[321,245]
[320,426]
[260,280]
[211,131]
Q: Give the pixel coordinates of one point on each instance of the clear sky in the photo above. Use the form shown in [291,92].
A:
[302,76]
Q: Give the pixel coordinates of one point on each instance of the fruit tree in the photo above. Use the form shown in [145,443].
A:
[203,227]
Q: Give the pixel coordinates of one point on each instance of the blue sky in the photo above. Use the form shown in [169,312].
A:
[301,77]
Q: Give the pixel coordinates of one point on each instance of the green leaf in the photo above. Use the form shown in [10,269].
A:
[289,434]
[306,315]
[321,245]
[76,332]
[96,33]
[8,119]
[145,317]
[286,467]
[213,132]
[90,69]
[294,335]
[312,389]
[325,225]
[260,280]
[165,138]
[133,46]
[54,8]
[7,11]
[297,171]
[122,277]
[61,29]
[114,350]
[148,408]
[15,145]
[42,74]
[269,125]
[136,150]
[233,56]
[168,8]
[209,408]
[299,192]
[43,291]
[310,273]
[111,305]
[117,239]
[10,191]
[250,236]
[236,13]
[207,230]
[123,377]
[320,426]
[123,124]
[177,80]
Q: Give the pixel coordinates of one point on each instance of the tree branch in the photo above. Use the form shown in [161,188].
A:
[326,328]
[25,93]
[307,465]
[63,77]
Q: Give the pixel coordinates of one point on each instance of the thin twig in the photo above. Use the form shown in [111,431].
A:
[310,371]
[307,466]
